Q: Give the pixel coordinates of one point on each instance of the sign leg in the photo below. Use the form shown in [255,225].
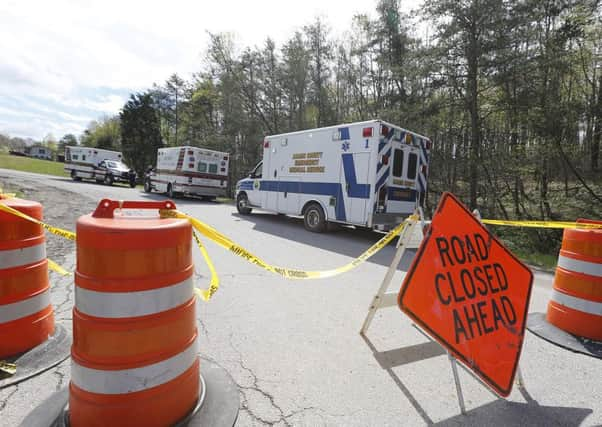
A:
[452,360]
[377,300]
[519,377]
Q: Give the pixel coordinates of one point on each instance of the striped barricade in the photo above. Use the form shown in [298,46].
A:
[26,315]
[576,304]
[135,350]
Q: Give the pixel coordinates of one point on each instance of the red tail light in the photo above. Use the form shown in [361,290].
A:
[367,132]
[385,160]
[428,144]
[384,130]
[226,158]
[423,169]
[191,165]
[266,144]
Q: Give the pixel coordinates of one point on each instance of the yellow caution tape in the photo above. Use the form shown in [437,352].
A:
[542,224]
[7,367]
[55,267]
[206,294]
[54,230]
[288,273]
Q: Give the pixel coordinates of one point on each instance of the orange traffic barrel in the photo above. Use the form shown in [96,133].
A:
[26,315]
[576,304]
[135,351]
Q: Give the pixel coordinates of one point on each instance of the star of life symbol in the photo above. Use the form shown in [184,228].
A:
[345,146]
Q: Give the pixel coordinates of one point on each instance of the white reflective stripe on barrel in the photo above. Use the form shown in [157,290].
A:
[578,266]
[132,304]
[27,307]
[135,379]
[579,304]
[22,256]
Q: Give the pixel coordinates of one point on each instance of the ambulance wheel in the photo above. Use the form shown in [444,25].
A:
[147,186]
[74,176]
[170,193]
[314,218]
[109,179]
[242,204]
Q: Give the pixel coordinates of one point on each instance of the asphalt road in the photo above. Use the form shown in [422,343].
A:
[293,347]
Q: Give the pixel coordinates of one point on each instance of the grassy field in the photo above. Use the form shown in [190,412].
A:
[27,164]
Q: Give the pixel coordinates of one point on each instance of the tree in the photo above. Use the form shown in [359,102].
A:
[103,133]
[140,132]
[466,30]
[320,52]
[295,78]
[67,140]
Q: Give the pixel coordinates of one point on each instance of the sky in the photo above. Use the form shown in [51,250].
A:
[64,63]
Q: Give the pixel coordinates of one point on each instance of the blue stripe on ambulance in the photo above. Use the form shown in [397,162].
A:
[333,189]
[246,185]
[382,180]
[380,165]
[361,191]
[343,134]
[424,159]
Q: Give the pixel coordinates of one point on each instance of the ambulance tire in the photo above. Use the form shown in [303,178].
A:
[314,218]
[74,176]
[242,203]
[109,179]
[147,186]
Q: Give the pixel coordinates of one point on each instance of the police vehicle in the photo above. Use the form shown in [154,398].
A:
[368,174]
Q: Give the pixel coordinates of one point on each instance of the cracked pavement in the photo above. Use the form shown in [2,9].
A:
[293,347]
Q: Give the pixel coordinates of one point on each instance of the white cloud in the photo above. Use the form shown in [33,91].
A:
[82,58]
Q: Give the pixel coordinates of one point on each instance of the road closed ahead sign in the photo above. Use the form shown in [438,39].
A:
[470,293]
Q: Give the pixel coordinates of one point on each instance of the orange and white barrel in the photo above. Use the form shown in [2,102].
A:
[135,348]
[576,304]
[26,315]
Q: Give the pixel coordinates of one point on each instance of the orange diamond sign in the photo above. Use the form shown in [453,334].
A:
[469,293]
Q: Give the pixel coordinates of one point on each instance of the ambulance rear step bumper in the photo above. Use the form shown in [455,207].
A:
[387,221]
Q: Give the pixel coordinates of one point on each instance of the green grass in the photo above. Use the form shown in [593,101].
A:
[537,259]
[27,164]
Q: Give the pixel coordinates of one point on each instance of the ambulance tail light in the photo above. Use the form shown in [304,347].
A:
[266,144]
[367,132]
[428,144]
[385,160]
[424,169]
[225,158]
[384,130]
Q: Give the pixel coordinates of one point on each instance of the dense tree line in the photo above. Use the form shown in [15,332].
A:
[509,91]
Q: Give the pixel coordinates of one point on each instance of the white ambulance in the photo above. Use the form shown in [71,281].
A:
[101,165]
[189,170]
[369,174]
